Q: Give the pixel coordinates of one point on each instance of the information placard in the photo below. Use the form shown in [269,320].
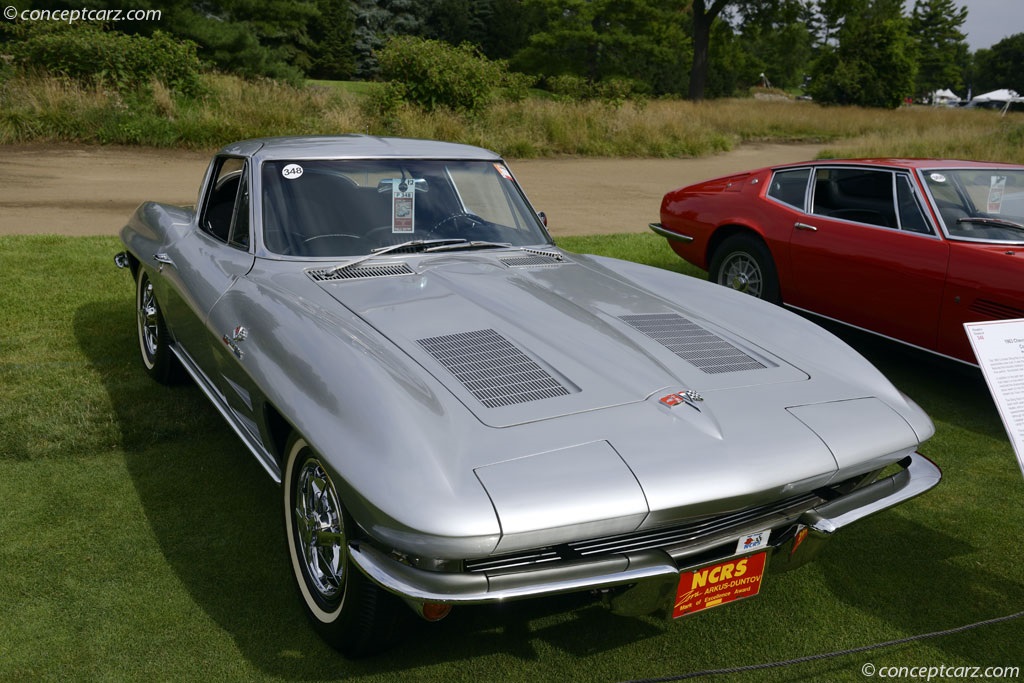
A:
[999,347]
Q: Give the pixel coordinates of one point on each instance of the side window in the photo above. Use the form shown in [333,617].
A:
[790,187]
[240,227]
[222,197]
[855,194]
[911,216]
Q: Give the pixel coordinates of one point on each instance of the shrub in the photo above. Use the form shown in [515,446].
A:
[435,74]
[614,90]
[93,56]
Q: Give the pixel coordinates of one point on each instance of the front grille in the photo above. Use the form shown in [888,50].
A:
[360,272]
[691,342]
[492,368]
[679,535]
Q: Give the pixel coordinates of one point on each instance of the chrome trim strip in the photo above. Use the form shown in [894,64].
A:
[668,234]
[265,458]
[879,334]
[617,569]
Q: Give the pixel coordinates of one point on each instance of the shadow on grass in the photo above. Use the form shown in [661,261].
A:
[216,517]
[946,389]
[920,581]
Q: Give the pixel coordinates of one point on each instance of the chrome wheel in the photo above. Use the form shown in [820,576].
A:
[744,263]
[319,531]
[149,324]
[348,610]
[154,339]
[742,273]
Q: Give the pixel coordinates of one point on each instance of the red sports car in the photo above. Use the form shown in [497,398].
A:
[910,249]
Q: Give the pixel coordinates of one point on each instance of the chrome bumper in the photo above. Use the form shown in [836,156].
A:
[668,234]
[651,575]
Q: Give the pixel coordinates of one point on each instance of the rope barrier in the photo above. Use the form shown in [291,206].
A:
[828,655]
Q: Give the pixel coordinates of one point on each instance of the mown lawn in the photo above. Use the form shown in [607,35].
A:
[140,541]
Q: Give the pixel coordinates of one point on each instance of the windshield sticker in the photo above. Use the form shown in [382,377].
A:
[403,206]
[938,177]
[500,168]
[995,194]
[292,171]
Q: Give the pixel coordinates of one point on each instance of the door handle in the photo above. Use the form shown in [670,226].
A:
[804,226]
[163,259]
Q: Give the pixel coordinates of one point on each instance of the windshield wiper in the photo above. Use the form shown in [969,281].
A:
[469,244]
[998,222]
[380,251]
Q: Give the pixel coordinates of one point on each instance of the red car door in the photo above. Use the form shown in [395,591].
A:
[867,256]
[985,283]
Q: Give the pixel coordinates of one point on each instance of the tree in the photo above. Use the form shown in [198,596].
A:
[240,36]
[375,22]
[941,45]
[732,67]
[332,35]
[638,40]
[1001,66]
[702,16]
[874,61]
[779,39]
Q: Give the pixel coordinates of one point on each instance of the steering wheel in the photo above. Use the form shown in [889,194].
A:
[474,220]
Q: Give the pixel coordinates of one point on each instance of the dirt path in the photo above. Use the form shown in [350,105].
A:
[79,190]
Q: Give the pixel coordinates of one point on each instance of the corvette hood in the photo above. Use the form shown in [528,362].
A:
[521,339]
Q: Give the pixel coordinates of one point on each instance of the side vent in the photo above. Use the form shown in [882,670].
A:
[995,311]
[691,342]
[360,272]
[493,369]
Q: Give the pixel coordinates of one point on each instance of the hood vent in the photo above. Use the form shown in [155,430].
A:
[531,261]
[691,342]
[360,272]
[494,370]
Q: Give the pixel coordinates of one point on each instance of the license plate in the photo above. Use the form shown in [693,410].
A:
[719,584]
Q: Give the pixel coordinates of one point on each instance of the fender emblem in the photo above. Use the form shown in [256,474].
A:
[230,340]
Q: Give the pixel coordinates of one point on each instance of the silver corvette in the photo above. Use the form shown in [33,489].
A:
[459,412]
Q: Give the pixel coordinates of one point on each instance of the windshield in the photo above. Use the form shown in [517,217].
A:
[979,204]
[334,208]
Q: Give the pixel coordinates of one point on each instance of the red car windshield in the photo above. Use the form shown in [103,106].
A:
[979,204]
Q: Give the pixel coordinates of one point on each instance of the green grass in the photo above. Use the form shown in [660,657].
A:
[140,541]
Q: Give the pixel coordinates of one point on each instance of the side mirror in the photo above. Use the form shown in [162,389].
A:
[543,218]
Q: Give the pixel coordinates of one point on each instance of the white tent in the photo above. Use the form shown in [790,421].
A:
[945,98]
[1002,95]
[997,99]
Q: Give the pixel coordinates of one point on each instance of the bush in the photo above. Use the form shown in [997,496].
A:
[93,56]
[576,88]
[434,74]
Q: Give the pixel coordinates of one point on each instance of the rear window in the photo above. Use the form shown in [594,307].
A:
[790,187]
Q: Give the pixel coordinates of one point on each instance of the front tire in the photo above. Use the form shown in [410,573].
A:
[743,263]
[348,610]
[158,360]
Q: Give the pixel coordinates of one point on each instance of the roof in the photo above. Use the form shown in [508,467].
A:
[354,146]
[946,164]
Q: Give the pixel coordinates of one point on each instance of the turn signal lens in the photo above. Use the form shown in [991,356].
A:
[798,539]
[435,611]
